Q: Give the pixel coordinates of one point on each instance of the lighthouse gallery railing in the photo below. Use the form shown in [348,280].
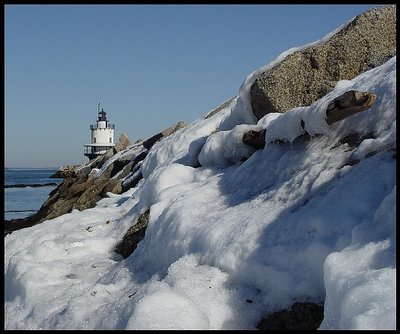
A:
[95,127]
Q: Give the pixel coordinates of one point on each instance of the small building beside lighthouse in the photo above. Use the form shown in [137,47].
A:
[101,136]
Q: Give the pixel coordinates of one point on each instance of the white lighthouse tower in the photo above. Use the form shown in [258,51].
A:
[101,136]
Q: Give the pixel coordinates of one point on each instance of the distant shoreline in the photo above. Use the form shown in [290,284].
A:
[23,185]
[20,211]
[31,168]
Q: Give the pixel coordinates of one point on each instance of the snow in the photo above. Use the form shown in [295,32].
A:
[233,234]
[226,147]
[184,145]
[129,152]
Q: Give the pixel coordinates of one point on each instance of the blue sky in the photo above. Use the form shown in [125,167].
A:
[149,66]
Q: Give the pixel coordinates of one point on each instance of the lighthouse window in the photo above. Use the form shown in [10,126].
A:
[110,139]
[94,140]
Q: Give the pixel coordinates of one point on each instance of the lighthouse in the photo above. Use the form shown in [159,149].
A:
[101,136]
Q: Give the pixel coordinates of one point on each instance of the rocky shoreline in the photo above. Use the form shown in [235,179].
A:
[84,185]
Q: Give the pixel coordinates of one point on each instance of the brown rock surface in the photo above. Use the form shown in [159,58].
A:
[309,74]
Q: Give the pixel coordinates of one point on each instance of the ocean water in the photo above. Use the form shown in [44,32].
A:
[25,190]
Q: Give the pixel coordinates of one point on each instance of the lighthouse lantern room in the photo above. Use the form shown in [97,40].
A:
[101,136]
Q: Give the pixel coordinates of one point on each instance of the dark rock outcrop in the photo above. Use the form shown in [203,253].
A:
[133,236]
[147,144]
[306,75]
[157,137]
[300,316]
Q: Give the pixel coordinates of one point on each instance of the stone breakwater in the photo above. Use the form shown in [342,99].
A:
[84,185]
